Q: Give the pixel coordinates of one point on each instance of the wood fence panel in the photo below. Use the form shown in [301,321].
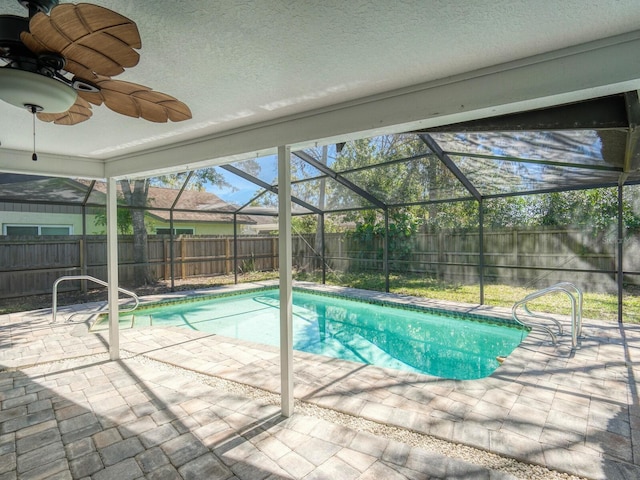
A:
[30,265]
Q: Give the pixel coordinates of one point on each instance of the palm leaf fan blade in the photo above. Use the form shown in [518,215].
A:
[49,40]
[139,101]
[160,107]
[151,111]
[90,37]
[121,103]
[92,97]
[100,20]
[177,111]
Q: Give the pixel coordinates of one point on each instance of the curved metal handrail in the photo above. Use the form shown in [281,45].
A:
[579,306]
[576,310]
[54,305]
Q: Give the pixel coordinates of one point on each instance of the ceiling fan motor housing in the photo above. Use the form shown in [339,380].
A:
[10,44]
[35,6]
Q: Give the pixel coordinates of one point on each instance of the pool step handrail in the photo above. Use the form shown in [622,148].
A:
[568,289]
[54,306]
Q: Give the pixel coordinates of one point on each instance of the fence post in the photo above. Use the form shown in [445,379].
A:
[274,253]
[441,256]
[183,254]
[83,264]
[227,256]
[165,255]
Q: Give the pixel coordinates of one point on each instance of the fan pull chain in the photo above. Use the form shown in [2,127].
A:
[34,157]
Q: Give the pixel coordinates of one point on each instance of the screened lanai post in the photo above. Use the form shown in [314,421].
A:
[462,178]
[385,250]
[235,248]
[83,252]
[286,294]
[171,250]
[112,268]
[481,248]
[172,229]
[322,251]
[321,206]
[620,250]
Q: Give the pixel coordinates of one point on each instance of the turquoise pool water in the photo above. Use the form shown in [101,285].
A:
[407,339]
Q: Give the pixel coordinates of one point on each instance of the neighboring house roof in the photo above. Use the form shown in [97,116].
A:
[198,202]
[48,190]
[203,206]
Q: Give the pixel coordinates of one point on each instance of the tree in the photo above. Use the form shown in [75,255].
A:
[135,195]
[124,220]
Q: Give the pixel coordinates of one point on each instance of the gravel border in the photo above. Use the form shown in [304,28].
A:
[458,451]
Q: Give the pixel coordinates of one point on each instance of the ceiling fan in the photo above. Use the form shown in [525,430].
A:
[61,59]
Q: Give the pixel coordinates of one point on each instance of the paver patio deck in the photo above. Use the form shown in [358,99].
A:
[67,411]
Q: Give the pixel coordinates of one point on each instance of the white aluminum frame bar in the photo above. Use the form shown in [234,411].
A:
[112,268]
[286,292]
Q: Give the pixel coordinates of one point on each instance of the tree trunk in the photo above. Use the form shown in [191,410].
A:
[136,196]
[141,273]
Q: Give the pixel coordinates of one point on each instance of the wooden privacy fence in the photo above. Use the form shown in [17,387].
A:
[536,257]
[30,265]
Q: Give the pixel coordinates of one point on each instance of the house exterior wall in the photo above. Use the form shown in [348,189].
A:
[12,213]
[73,220]
[198,228]
[60,215]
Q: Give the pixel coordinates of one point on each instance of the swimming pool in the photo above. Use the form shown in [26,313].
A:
[416,340]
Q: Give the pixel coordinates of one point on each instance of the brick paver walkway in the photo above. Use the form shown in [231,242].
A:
[67,411]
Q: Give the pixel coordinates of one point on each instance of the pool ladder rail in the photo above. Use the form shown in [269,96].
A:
[54,306]
[575,296]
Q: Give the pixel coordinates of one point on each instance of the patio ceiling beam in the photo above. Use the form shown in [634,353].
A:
[543,191]
[604,168]
[453,168]
[340,179]
[267,186]
[367,167]
[388,163]
[594,114]
[632,150]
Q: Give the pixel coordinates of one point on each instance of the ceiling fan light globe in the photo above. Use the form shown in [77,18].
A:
[21,88]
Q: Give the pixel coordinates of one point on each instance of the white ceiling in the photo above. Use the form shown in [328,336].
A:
[247,68]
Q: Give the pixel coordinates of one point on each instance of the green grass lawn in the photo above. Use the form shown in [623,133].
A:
[596,305]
